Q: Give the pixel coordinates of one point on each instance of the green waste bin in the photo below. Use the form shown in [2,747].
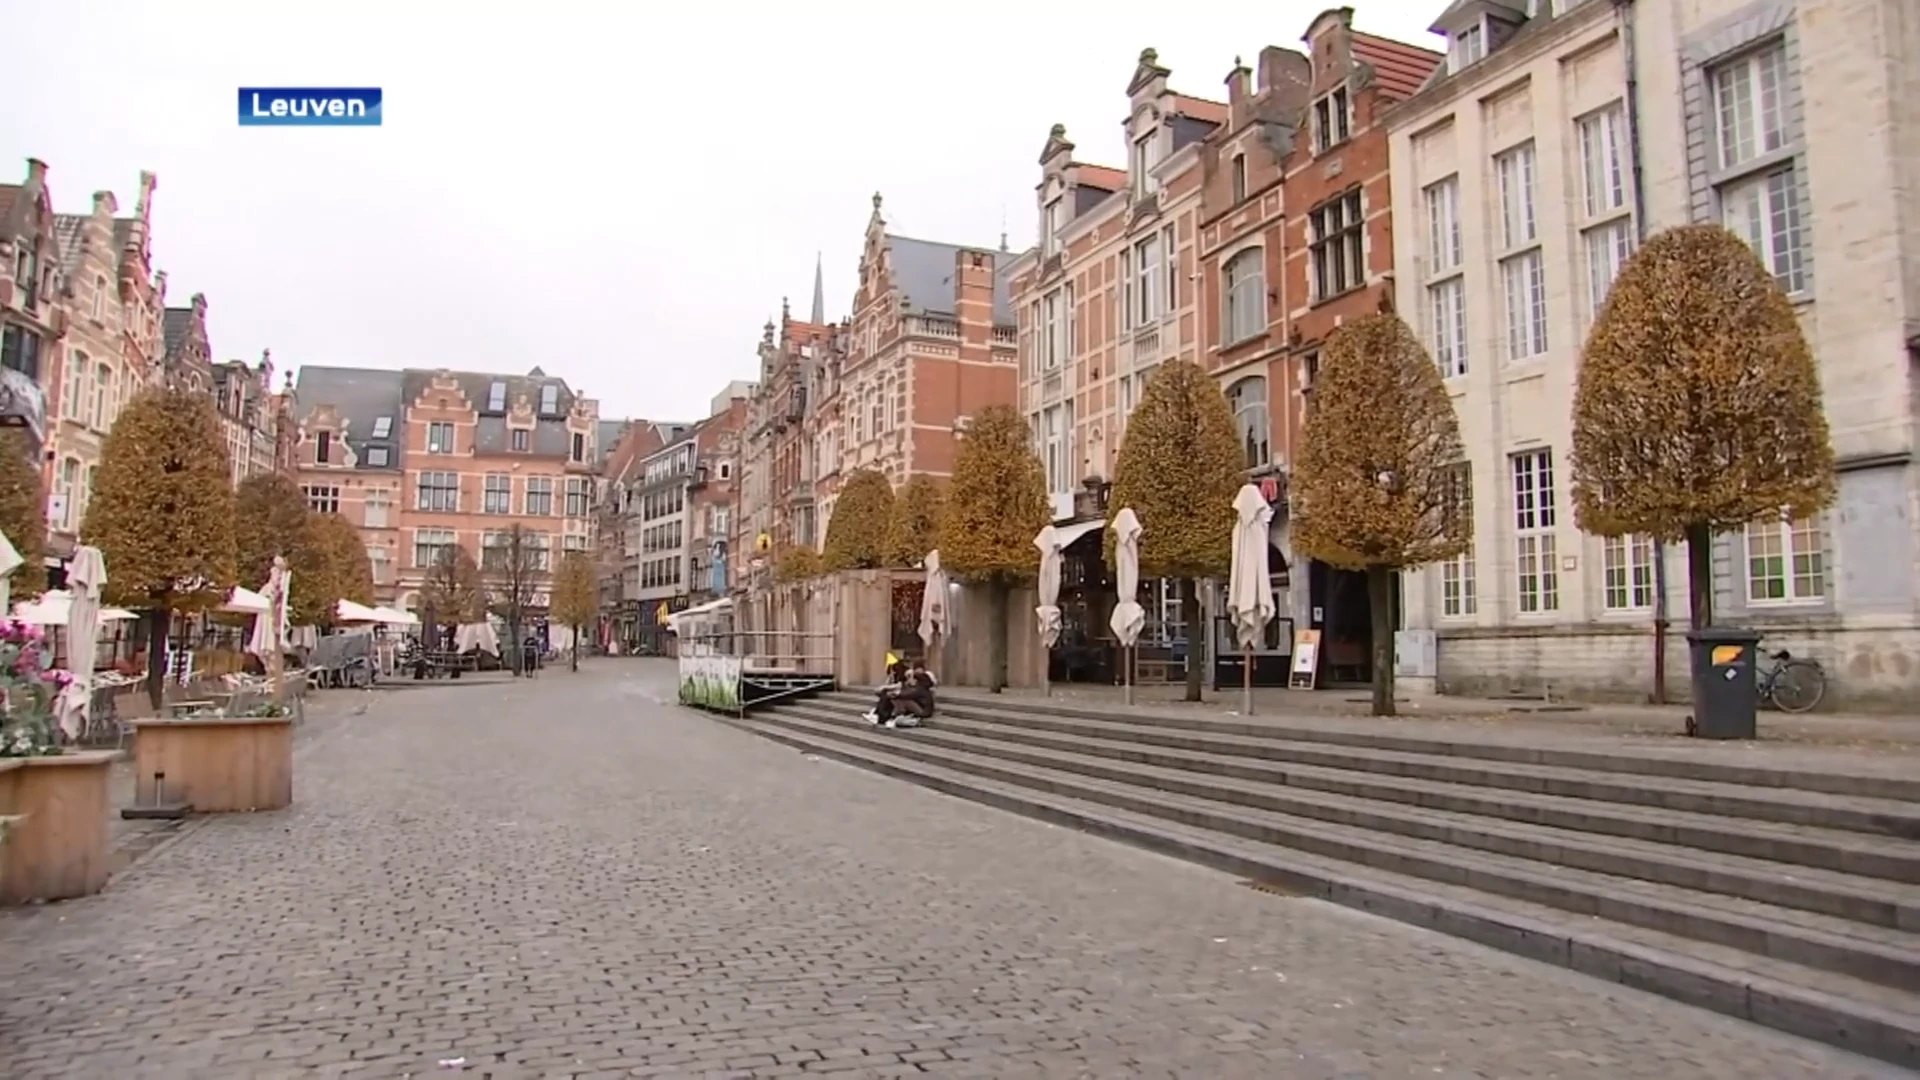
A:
[1724,691]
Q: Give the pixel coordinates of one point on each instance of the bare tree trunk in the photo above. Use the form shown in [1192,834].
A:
[1196,638]
[159,621]
[1380,607]
[576,648]
[1699,576]
[997,600]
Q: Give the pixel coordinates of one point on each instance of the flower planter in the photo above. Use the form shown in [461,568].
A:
[216,764]
[60,847]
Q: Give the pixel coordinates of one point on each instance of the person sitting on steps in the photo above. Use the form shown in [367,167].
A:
[910,701]
[883,702]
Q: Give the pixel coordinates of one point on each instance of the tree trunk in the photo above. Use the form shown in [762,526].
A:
[1699,576]
[997,599]
[1380,606]
[513,646]
[1196,638]
[576,648]
[159,620]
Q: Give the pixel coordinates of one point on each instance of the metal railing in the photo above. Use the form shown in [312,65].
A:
[809,651]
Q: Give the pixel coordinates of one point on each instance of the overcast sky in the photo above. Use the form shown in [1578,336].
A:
[621,198]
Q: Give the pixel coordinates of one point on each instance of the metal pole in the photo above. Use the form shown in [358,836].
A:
[1127,670]
[1246,682]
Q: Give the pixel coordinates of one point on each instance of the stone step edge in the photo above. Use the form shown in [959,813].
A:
[1902,817]
[1623,758]
[1840,839]
[1891,1035]
[1407,821]
[1621,891]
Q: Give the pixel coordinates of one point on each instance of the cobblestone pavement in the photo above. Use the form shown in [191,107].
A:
[568,877]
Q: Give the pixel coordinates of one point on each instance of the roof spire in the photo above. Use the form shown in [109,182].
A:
[819,292]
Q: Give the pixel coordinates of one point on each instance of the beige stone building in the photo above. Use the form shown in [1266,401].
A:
[1793,123]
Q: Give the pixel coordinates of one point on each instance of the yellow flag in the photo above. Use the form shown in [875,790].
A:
[892,659]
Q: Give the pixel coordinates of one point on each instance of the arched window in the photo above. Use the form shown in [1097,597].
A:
[1249,400]
[1246,293]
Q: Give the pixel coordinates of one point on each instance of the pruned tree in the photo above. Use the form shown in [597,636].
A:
[162,514]
[453,592]
[857,531]
[576,596]
[516,568]
[270,517]
[796,564]
[1181,463]
[1698,406]
[914,528]
[1380,486]
[348,572]
[996,505]
[23,512]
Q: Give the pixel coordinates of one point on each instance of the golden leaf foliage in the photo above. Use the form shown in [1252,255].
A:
[347,572]
[576,590]
[1181,463]
[1698,402]
[997,502]
[797,564]
[162,507]
[1379,480]
[453,588]
[857,531]
[23,512]
[270,517]
[915,527]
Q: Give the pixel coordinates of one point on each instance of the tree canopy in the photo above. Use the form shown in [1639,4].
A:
[997,502]
[857,531]
[162,507]
[576,591]
[915,527]
[23,513]
[1181,463]
[1380,480]
[453,588]
[270,517]
[799,563]
[347,572]
[1698,405]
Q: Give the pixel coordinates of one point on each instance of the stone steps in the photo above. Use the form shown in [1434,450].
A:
[1798,923]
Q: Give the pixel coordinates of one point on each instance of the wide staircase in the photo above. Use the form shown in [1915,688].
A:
[1787,896]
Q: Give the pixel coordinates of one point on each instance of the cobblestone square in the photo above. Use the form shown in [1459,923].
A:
[571,877]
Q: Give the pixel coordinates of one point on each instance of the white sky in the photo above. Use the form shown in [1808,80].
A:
[617,195]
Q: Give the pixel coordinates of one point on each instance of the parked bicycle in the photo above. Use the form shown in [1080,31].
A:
[1792,684]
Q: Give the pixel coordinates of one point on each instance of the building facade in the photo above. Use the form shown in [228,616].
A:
[348,451]
[1536,163]
[244,400]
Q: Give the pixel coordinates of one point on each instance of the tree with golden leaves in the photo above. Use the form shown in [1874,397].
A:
[915,527]
[344,571]
[270,517]
[453,592]
[162,514]
[1380,485]
[576,597]
[1181,463]
[857,531]
[1698,405]
[23,512]
[996,505]
[797,564]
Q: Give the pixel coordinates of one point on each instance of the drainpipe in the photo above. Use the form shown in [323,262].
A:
[1623,12]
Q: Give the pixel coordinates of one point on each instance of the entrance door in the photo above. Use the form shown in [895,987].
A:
[1340,612]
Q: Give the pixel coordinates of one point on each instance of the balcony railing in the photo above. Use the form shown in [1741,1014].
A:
[939,328]
[1006,335]
[1146,346]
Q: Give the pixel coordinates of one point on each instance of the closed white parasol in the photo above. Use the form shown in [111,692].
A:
[1048,611]
[933,603]
[1129,618]
[1250,603]
[86,577]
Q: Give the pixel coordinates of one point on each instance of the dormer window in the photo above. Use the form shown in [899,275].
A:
[1050,228]
[323,447]
[549,399]
[1469,46]
[497,397]
[1238,171]
[1144,159]
[383,427]
[1332,121]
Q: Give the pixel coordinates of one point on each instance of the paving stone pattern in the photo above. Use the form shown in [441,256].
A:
[570,877]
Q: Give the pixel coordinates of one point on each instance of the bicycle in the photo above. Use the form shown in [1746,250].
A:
[1792,685]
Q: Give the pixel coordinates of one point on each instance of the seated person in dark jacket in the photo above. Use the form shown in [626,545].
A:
[883,703]
[915,698]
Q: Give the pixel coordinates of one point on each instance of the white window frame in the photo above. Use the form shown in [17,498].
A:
[1252,420]
[322,498]
[1144,161]
[1604,179]
[1148,266]
[1524,284]
[1447,325]
[1338,226]
[549,400]
[1467,47]
[439,437]
[79,386]
[497,396]
[496,494]
[1446,249]
[1626,573]
[1050,224]
[1764,209]
[1797,553]
[1516,172]
[1536,554]
[427,545]
[103,387]
[1459,591]
[1749,105]
[1332,120]
[99,295]
[437,497]
[1608,247]
[1051,354]
[1245,290]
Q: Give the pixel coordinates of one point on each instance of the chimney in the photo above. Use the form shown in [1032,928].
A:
[1288,72]
[160,284]
[145,205]
[199,305]
[36,172]
[104,204]
[1239,93]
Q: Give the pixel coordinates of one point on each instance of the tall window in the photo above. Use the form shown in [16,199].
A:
[1237,170]
[549,399]
[323,447]
[1246,314]
[580,493]
[1144,160]
[1053,445]
[1603,168]
[439,491]
[67,487]
[540,495]
[428,544]
[1447,322]
[1445,251]
[1125,293]
[20,350]
[79,396]
[99,295]
[1052,322]
[496,494]
[1786,562]
[1332,121]
[1749,107]
[1749,123]
[1337,246]
[439,438]
[1514,171]
[1626,572]
[375,510]
[103,397]
[1146,290]
[1248,397]
[322,498]
[1765,212]
[1536,559]
[522,439]
[497,397]
[1050,228]
[1468,46]
[1523,273]
[1459,593]
[1608,248]
[1170,270]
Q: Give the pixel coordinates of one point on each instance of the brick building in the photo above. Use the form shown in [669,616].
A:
[249,413]
[347,453]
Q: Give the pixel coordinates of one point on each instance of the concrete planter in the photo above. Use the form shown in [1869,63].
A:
[215,764]
[58,846]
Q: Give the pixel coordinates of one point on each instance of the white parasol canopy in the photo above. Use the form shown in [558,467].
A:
[933,602]
[1249,588]
[396,617]
[469,636]
[54,605]
[1048,610]
[244,601]
[347,611]
[270,626]
[1129,618]
[87,572]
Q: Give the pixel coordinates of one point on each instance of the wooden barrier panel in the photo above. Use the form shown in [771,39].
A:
[216,764]
[60,849]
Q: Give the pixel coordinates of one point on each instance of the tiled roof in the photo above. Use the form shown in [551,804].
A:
[69,231]
[490,434]
[175,322]
[1213,112]
[1399,68]
[1101,176]
[923,271]
[360,396]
